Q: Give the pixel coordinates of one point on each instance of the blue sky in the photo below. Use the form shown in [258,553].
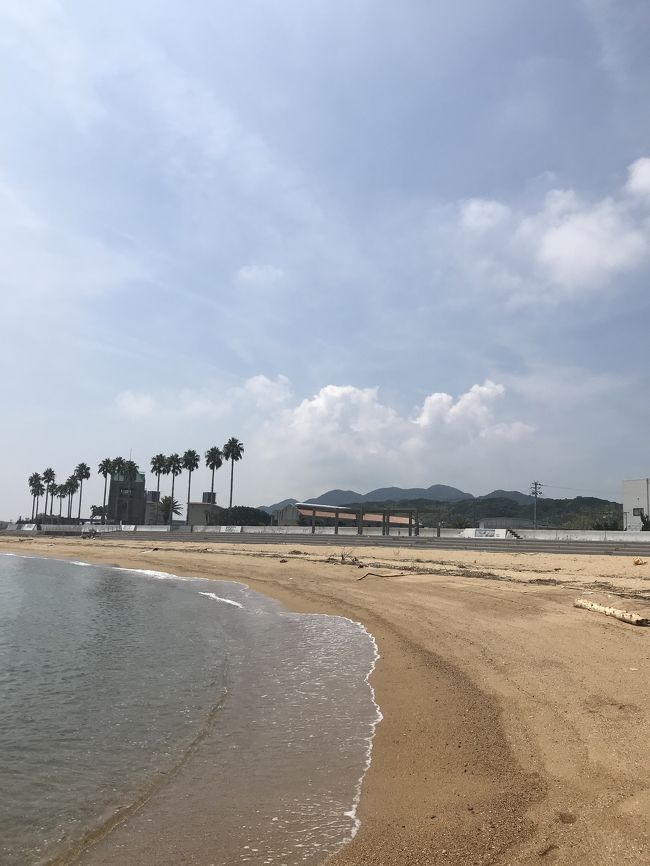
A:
[379,243]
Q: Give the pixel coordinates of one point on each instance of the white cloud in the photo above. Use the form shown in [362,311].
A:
[479,214]
[345,435]
[565,249]
[638,182]
[342,435]
[471,415]
[586,246]
[268,393]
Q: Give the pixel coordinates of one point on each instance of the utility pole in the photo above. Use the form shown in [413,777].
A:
[535,490]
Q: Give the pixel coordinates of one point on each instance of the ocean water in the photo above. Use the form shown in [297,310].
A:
[204,721]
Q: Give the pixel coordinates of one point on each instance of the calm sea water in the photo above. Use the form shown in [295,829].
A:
[234,731]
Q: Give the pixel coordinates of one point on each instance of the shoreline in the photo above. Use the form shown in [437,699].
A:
[510,732]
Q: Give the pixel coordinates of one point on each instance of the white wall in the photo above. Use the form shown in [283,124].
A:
[636,494]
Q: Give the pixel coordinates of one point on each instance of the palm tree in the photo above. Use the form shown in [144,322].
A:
[71,485]
[49,478]
[213,460]
[190,461]
[167,503]
[32,482]
[39,490]
[105,468]
[130,470]
[61,493]
[98,511]
[118,467]
[173,467]
[81,473]
[233,450]
[158,468]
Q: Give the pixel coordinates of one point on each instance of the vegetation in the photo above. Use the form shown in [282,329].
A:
[240,515]
[233,450]
[128,472]
[49,478]
[81,473]
[105,468]
[583,512]
[214,461]
[173,467]
[168,508]
[190,462]
[98,511]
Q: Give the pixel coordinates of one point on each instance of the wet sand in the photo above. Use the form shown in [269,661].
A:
[515,725]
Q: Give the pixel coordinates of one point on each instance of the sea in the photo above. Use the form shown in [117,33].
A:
[148,718]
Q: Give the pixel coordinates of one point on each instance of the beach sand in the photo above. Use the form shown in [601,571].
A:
[515,725]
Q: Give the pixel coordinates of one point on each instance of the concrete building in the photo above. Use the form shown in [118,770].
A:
[126,500]
[153,509]
[636,502]
[203,513]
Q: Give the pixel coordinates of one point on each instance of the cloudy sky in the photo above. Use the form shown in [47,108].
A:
[380,243]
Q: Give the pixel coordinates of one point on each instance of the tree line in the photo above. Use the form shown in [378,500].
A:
[44,484]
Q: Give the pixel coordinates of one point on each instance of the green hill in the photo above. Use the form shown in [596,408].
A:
[583,512]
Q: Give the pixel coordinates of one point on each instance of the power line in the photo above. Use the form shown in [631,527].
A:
[535,490]
[577,489]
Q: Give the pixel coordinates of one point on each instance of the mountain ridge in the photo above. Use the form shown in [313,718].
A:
[434,493]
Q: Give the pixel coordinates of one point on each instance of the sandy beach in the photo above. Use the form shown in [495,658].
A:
[515,725]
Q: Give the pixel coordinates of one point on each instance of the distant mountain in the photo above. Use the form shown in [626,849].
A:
[435,493]
[519,498]
[278,505]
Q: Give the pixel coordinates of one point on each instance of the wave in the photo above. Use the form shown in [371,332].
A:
[216,597]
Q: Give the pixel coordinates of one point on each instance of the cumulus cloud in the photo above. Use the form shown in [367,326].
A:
[346,435]
[638,182]
[341,435]
[481,214]
[268,393]
[567,248]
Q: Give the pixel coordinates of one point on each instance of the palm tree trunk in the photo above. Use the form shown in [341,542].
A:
[187,513]
[37,498]
[60,505]
[47,493]
[33,505]
[81,490]
[171,505]
[212,488]
[104,502]
[232,469]
[51,504]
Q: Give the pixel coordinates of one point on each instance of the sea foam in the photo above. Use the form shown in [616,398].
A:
[216,597]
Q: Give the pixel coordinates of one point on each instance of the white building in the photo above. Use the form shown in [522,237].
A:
[636,501]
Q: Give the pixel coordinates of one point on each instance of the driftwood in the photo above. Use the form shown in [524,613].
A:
[377,574]
[623,615]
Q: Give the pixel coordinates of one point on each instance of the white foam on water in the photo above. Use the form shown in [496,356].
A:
[216,597]
[158,575]
[352,813]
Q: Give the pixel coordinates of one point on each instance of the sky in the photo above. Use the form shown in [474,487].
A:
[378,243]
